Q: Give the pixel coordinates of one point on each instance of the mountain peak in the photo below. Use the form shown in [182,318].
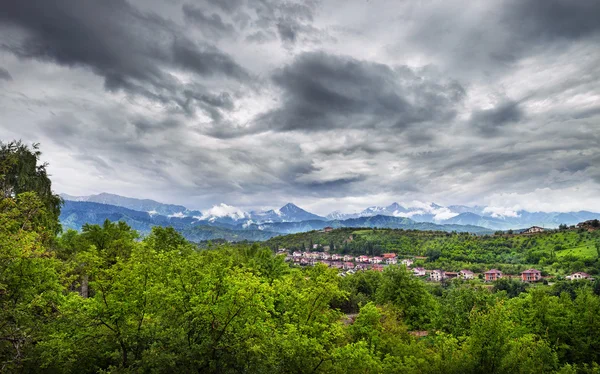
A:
[290,206]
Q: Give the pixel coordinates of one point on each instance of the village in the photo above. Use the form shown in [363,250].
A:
[348,264]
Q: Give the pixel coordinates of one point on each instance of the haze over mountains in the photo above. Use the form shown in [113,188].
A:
[231,223]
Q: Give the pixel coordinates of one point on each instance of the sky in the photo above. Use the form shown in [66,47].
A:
[331,105]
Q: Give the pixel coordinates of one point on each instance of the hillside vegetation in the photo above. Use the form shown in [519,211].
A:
[556,251]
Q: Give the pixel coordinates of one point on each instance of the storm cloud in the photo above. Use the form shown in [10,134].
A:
[328,104]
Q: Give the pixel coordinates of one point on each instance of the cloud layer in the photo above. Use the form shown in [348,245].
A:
[329,104]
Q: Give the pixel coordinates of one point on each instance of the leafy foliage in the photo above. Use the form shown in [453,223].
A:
[104,300]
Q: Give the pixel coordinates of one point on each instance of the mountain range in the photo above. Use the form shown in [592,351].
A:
[231,223]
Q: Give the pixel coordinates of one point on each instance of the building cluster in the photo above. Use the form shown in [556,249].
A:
[346,262]
[363,262]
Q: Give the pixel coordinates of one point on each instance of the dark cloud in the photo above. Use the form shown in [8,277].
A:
[5,75]
[207,61]
[548,20]
[212,26]
[335,184]
[287,32]
[131,49]
[260,102]
[491,121]
[323,92]
[489,39]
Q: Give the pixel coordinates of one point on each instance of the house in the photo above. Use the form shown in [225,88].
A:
[337,265]
[325,256]
[578,276]
[437,275]
[315,246]
[531,275]
[533,230]
[450,275]
[335,257]
[419,272]
[389,255]
[297,254]
[391,261]
[348,258]
[376,260]
[466,274]
[407,262]
[348,265]
[363,258]
[590,225]
[360,267]
[377,267]
[328,229]
[304,261]
[492,275]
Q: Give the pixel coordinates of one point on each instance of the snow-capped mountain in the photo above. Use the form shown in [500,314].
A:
[339,215]
[287,213]
[488,217]
[494,218]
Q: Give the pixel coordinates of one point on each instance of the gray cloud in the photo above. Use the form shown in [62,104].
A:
[131,49]
[329,104]
[323,92]
[212,26]
[548,20]
[4,74]
[490,122]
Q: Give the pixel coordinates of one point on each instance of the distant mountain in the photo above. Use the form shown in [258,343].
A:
[476,216]
[142,205]
[230,217]
[287,213]
[336,215]
[75,214]
[379,221]
[477,220]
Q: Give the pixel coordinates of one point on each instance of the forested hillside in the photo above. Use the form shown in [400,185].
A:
[558,252]
[102,300]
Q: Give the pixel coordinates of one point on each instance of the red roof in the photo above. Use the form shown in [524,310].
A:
[389,255]
[531,271]
[493,271]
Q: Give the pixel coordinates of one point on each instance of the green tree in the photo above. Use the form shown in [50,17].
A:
[29,283]
[21,171]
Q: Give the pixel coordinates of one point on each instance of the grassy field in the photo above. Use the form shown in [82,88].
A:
[586,251]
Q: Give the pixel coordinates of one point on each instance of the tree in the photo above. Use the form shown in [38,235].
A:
[29,283]
[21,171]
[400,288]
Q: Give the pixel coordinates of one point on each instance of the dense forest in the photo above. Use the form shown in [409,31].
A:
[107,300]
